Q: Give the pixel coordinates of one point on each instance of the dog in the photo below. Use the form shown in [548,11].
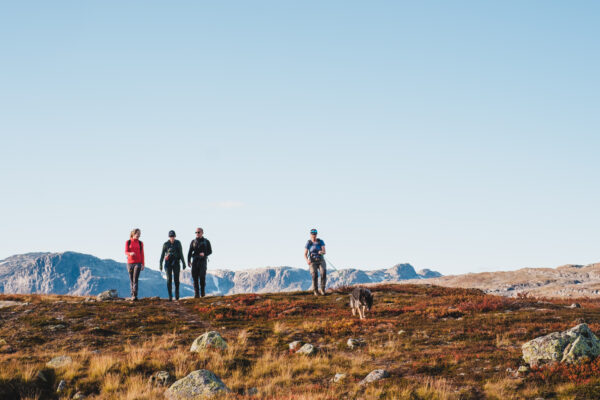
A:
[361,299]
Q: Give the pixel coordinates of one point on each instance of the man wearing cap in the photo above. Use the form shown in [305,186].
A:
[200,249]
[172,253]
[313,254]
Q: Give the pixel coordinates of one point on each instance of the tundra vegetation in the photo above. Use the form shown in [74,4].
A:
[435,343]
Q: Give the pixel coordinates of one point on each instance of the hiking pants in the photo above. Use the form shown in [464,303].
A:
[315,267]
[134,274]
[199,271]
[172,270]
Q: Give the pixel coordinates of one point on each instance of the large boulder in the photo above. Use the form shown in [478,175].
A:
[199,384]
[208,339]
[573,345]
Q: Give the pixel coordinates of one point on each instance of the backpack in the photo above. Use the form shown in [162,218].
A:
[141,245]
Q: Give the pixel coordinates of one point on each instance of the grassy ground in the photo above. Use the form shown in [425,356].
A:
[437,343]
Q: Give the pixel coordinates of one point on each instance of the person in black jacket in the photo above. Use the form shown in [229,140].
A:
[200,249]
[172,253]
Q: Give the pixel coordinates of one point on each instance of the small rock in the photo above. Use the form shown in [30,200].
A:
[79,396]
[374,376]
[339,298]
[2,342]
[198,384]
[339,377]
[523,369]
[208,339]
[308,349]
[61,386]
[55,327]
[160,378]
[401,332]
[59,362]
[252,392]
[108,295]
[575,305]
[354,343]
[295,345]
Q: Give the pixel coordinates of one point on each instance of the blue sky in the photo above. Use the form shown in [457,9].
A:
[460,136]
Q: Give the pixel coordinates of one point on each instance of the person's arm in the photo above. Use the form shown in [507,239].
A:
[306,255]
[180,250]
[190,254]
[162,256]
[323,250]
[142,251]
[208,248]
[127,252]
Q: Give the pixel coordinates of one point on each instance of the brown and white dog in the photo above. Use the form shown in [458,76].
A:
[361,299]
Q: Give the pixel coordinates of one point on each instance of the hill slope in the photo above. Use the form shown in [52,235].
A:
[436,343]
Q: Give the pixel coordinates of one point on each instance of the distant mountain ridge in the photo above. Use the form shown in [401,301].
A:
[83,274]
[569,280]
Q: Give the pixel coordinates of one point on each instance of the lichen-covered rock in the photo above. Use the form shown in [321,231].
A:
[308,350]
[199,384]
[62,385]
[208,339]
[339,377]
[570,346]
[375,375]
[59,362]
[108,295]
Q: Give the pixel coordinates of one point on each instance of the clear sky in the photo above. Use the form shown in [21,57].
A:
[461,136]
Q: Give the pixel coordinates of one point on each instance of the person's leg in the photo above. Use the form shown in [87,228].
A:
[169,272]
[314,272]
[323,270]
[195,275]
[203,268]
[176,270]
[130,269]
[136,275]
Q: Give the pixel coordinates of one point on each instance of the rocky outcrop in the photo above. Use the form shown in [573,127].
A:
[207,340]
[199,384]
[573,345]
[308,350]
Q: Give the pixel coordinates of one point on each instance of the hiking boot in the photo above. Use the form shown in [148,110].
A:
[322,292]
[170,298]
[315,293]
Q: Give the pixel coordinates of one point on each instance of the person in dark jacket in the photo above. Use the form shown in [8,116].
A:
[134,249]
[172,253]
[198,254]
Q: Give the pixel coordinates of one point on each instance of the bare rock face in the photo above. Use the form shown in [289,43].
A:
[200,384]
[576,344]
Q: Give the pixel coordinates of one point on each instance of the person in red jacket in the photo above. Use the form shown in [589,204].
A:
[134,249]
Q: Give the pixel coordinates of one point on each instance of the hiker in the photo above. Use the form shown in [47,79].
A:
[313,253]
[172,253]
[134,249]
[198,254]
